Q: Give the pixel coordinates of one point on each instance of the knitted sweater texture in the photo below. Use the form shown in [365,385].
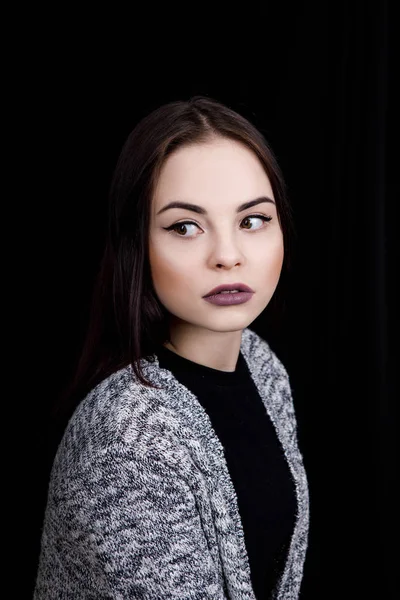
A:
[141,504]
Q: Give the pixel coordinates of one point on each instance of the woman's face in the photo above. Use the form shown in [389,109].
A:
[218,246]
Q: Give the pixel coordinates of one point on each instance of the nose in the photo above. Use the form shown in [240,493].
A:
[226,252]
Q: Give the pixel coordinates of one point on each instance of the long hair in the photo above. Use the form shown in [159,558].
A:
[127,320]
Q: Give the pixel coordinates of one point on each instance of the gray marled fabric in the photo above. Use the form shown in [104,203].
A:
[141,504]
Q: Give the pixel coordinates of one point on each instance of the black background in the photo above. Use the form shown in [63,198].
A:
[318,80]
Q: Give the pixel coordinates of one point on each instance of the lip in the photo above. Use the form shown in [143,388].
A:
[229,286]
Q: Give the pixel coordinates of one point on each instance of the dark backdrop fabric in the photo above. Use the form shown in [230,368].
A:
[317,79]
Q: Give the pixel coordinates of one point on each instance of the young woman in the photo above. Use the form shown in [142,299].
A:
[179,474]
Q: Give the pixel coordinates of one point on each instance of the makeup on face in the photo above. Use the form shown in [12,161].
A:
[229,298]
[214,236]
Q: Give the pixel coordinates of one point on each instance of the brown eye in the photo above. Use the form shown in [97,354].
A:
[247,219]
[261,217]
[181,228]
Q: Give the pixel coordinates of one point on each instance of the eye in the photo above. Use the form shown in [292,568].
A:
[176,226]
[262,217]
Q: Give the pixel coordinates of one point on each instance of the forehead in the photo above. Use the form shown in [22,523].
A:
[220,167]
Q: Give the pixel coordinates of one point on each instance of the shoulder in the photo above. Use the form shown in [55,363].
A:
[119,411]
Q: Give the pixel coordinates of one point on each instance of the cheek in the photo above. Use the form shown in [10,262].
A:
[278,259]
[274,259]
[169,273]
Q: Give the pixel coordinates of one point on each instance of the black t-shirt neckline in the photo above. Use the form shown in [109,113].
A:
[168,359]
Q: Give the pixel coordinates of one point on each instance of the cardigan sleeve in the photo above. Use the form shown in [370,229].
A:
[124,526]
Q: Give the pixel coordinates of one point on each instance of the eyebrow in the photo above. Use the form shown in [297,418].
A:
[202,211]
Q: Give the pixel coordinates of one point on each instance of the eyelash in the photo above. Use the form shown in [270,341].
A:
[172,227]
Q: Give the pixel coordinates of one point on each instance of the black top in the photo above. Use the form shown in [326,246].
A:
[255,458]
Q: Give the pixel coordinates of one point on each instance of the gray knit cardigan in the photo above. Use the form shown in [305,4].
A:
[140,501]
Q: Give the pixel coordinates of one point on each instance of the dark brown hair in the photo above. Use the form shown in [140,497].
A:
[127,320]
